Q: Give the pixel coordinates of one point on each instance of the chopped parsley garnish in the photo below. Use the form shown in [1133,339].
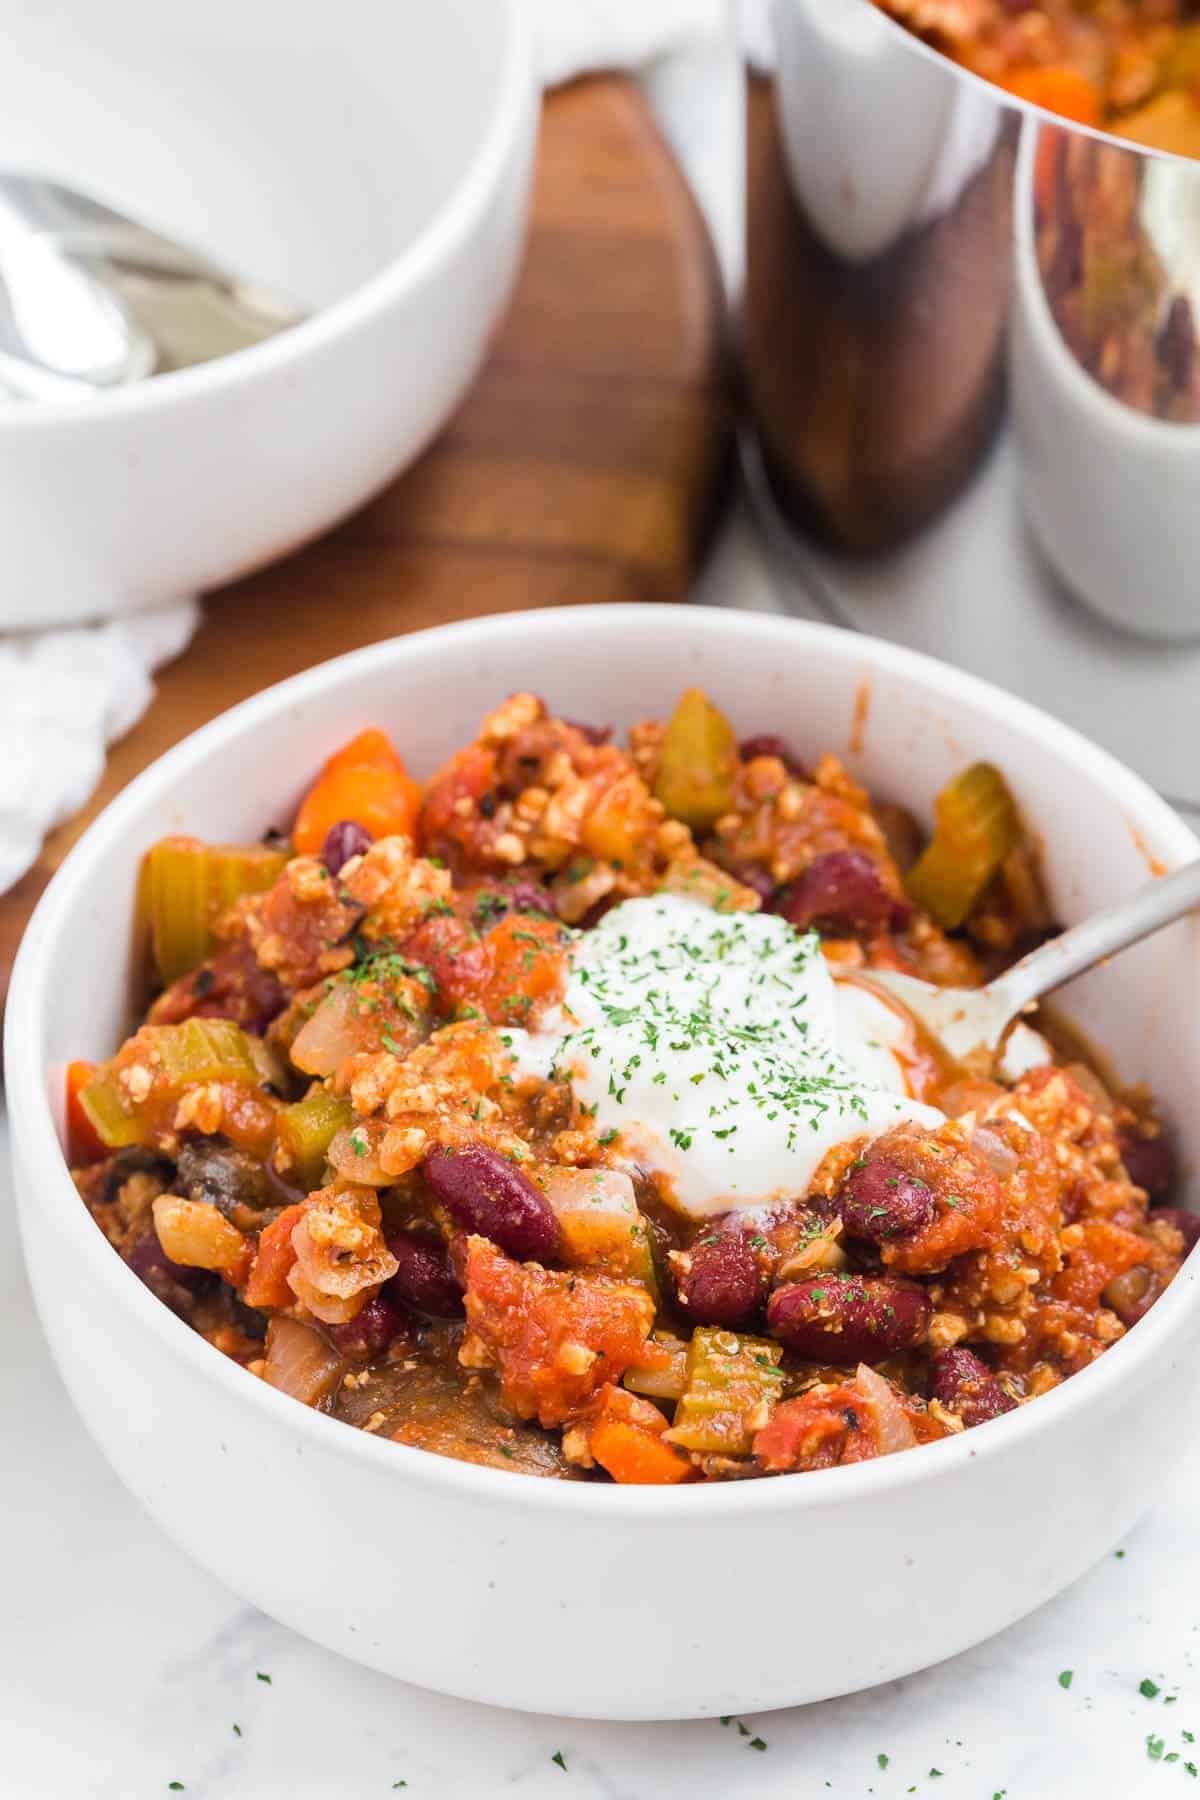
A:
[259,1676]
[1149,1690]
[559,1758]
[1066,1678]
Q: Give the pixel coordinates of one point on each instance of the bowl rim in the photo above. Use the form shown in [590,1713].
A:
[452,226]
[37,1146]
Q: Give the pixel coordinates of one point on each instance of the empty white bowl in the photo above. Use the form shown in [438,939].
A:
[593,1599]
[372,160]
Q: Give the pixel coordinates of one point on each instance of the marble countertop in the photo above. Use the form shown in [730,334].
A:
[125,1670]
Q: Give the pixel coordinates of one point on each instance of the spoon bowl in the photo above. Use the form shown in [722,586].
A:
[966,1019]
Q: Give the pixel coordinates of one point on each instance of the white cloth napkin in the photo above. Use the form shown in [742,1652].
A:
[66,695]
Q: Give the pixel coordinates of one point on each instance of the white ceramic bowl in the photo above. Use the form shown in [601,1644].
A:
[597,1600]
[371,159]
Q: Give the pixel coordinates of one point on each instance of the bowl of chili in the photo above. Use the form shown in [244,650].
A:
[921,1401]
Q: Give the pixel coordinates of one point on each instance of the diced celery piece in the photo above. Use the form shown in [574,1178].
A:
[305,1131]
[185,887]
[115,1124]
[975,828]
[178,1057]
[733,1381]
[666,1378]
[208,1050]
[697,763]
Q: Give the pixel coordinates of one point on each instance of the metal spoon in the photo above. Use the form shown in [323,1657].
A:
[968,1019]
[91,299]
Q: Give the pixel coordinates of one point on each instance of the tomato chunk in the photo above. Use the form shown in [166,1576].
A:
[556,1337]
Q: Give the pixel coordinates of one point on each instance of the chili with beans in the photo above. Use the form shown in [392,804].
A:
[541,1117]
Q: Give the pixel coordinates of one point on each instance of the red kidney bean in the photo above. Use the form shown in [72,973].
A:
[764,885]
[723,1284]
[960,1381]
[766,743]
[1148,1162]
[423,1281]
[880,1200]
[151,1264]
[843,887]
[342,841]
[484,1192]
[371,1329]
[848,1318]
[1187,1222]
[516,896]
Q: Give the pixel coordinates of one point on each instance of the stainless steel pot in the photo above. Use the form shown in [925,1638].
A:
[926,258]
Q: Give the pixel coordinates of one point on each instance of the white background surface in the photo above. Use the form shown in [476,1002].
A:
[124,1668]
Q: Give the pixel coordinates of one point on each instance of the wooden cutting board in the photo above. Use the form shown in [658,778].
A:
[586,464]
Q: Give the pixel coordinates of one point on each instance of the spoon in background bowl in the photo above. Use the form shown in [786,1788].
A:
[966,1019]
[91,299]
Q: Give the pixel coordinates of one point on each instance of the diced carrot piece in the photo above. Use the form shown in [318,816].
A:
[365,781]
[267,1285]
[633,1456]
[372,748]
[1059,89]
[84,1143]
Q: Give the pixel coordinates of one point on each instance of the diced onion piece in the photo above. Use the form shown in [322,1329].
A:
[893,1428]
[665,1382]
[1000,1157]
[354,1153]
[329,1036]
[591,1191]
[194,1233]
[301,1361]
[602,1227]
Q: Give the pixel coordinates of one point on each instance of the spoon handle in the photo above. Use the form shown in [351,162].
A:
[1159,903]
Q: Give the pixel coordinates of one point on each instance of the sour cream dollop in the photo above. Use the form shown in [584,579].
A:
[719,1051]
